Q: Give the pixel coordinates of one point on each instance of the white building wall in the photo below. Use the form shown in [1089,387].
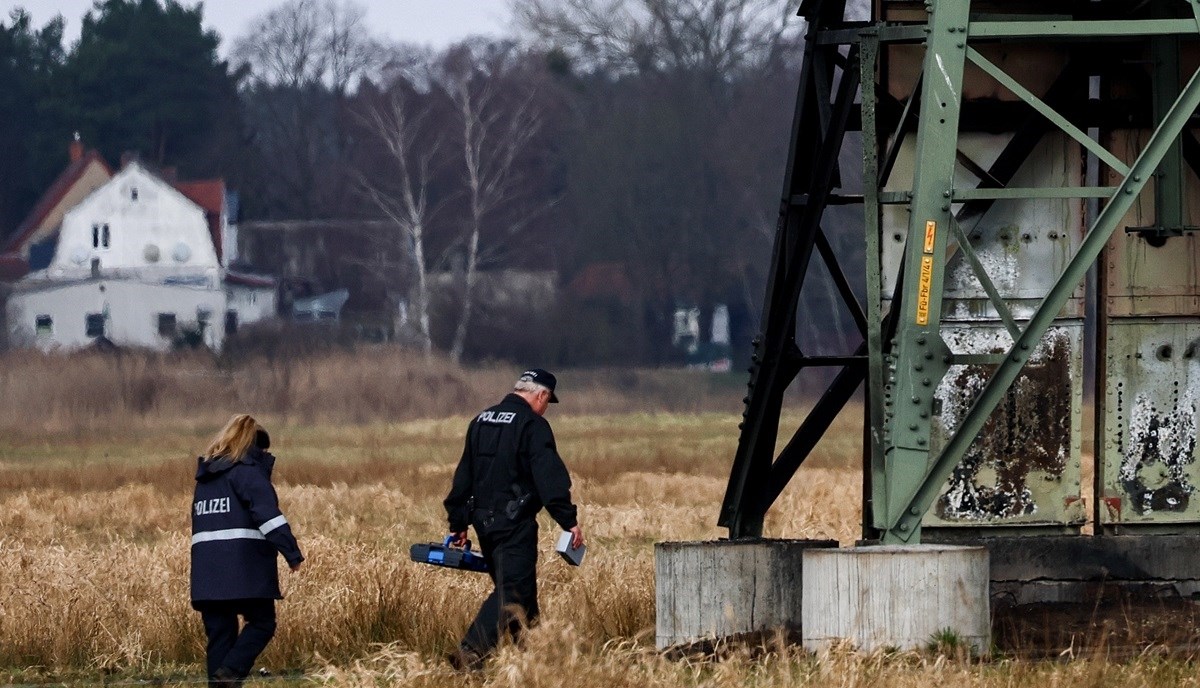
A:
[252,304]
[131,311]
[153,231]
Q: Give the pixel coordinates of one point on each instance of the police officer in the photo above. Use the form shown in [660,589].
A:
[237,533]
[510,469]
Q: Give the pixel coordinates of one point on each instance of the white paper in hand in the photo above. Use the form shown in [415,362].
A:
[572,555]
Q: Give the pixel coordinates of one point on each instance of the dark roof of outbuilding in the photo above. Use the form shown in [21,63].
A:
[66,179]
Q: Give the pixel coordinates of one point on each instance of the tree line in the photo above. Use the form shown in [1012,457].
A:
[638,144]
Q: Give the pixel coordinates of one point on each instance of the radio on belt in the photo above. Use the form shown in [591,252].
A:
[445,555]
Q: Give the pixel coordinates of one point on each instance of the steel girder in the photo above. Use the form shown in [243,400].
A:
[904,351]
[819,126]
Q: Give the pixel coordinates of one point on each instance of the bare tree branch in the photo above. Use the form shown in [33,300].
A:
[494,135]
[411,156]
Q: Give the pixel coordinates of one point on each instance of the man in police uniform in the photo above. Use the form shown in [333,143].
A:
[510,469]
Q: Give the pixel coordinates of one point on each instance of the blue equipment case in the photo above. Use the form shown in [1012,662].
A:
[445,555]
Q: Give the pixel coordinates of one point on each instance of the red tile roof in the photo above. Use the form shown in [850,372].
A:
[209,194]
[246,279]
[12,267]
[53,195]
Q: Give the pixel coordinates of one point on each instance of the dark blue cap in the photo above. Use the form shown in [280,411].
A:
[543,378]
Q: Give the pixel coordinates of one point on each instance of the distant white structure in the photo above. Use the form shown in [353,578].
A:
[135,225]
[137,263]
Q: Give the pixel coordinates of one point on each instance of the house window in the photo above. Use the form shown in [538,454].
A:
[95,324]
[95,236]
[133,194]
[44,325]
[166,324]
[231,322]
[104,236]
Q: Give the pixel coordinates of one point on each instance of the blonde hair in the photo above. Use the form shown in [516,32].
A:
[234,440]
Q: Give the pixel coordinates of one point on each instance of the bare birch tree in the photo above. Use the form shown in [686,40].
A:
[411,154]
[494,133]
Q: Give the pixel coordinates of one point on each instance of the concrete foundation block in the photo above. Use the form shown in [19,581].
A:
[722,589]
[895,596]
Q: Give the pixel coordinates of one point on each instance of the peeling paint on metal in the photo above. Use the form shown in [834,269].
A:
[1152,414]
[1161,445]
[1019,460]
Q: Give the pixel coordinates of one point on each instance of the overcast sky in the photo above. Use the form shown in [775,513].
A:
[432,22]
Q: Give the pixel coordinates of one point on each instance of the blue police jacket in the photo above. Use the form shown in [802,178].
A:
[238,530]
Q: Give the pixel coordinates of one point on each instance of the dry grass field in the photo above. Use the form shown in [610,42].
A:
[96,459]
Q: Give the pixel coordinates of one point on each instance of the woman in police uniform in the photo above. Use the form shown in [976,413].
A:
[237,533]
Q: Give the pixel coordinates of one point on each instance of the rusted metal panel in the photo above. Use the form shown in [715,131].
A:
[1023,246]
[1148,276]
[1035,66]
[1152,394]
[1024,468]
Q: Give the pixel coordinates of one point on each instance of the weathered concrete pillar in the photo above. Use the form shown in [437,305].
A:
[713,590]
[895,596]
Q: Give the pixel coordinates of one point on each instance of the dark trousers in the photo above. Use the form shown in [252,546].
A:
[511,557]
[226,646]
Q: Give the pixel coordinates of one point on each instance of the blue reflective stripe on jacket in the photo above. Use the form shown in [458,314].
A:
[238,530]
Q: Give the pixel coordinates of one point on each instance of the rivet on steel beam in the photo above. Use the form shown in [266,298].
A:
[1016,358]
[903,526]
[914,511]
[924,413]
[921,441]
[945,206]
[918,367]
[1024,346]
[947,359]
[1137,177]
[959,45]
[926,382]
[916,400]
[928,355]
[921,340]
[1129,191]
[946,193]
[913,427]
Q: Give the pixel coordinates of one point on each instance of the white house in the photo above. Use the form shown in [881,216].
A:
[136,263]
[58,315]
[251,298]
[135,225]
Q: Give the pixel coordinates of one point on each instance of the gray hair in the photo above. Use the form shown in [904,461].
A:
[525,385]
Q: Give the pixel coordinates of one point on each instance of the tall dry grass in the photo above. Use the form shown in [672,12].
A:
[94,551]
[94,521]
[90,392]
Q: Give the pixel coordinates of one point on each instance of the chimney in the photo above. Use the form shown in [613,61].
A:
[75,150]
